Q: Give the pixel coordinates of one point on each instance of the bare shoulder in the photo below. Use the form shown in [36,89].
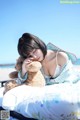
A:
[63,55]
[62,58]
[50,55]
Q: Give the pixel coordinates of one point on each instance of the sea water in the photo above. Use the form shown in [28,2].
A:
[7,66]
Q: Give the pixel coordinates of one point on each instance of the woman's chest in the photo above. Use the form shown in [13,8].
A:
[49,67]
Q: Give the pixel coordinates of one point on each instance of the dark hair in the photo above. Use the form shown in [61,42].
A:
[28,42]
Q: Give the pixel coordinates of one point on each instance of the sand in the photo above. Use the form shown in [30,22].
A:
[4,73]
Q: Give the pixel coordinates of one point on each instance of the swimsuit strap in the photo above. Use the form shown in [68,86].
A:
[57,58]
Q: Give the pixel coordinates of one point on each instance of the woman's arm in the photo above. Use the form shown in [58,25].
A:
[22,78]
[22,74]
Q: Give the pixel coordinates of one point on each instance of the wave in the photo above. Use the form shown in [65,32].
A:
[11,65]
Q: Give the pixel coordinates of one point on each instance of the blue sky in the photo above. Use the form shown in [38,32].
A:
[47,19]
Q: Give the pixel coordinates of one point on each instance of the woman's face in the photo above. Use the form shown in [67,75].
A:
[37,55]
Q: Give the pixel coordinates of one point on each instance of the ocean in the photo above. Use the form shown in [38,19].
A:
[7,66]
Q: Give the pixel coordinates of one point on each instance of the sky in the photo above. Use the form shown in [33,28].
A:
[48,19]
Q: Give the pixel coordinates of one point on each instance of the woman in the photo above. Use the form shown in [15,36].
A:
[61,102]
[53,61]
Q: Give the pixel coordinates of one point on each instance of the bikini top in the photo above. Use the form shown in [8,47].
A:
[57,71]
[58,68]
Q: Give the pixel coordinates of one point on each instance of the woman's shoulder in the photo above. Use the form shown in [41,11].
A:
[60,54]
[62,58]
[63,54]
[50,54]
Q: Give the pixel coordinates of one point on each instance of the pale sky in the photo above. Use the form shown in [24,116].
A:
[47,19]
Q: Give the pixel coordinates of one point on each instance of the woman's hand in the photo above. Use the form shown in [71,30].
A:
[25,65]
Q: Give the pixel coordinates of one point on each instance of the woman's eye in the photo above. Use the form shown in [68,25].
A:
[34,51]
[30,56]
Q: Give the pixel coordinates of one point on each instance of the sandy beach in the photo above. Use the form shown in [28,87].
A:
[4,73]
